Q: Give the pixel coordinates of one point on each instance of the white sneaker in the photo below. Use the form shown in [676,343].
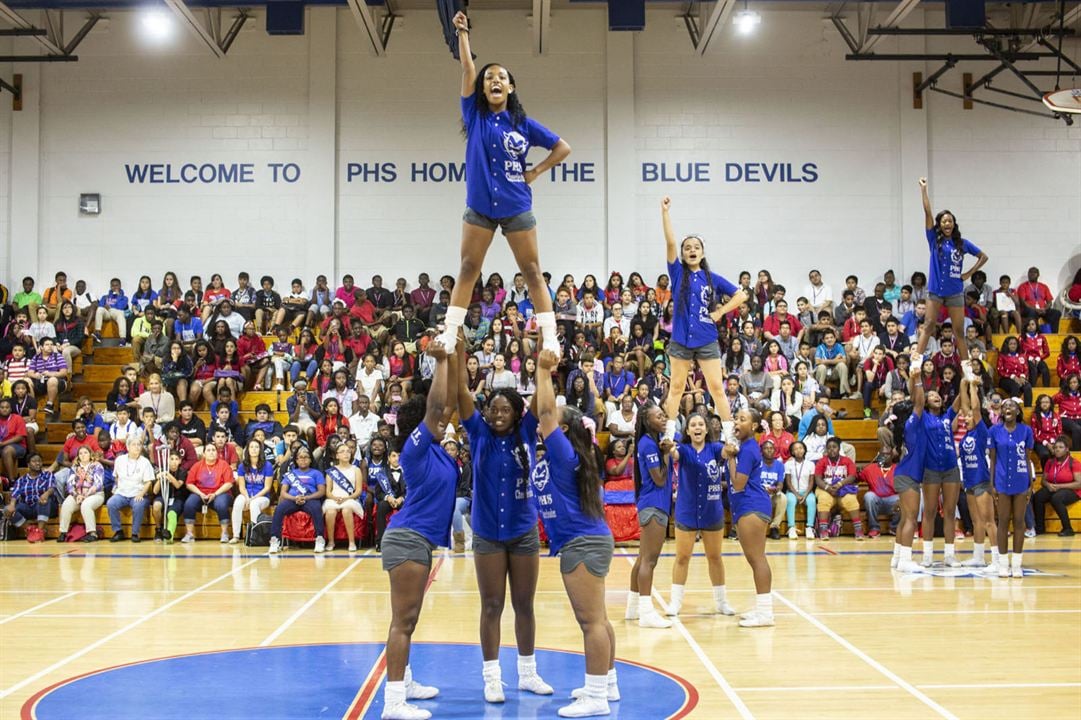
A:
[1003,570]
[908,566]
[893,562]
[1030,533]
[953,562]
[188,538]
[632,612]
[613,692]
[725,609]
[792,534]
[279,387]
[404,711]
[493,691]
[535,684]
[415,691]
[673,608]
[275,546]
[990,569]
[810,533]
[757,619]
[352,547]
[585,707]
[927,562]
[234,540]
[653,620]
[1017,572]
[225,538]
[320,544]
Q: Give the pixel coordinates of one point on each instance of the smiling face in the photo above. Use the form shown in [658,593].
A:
[500,415]
[946,224]
[497,86]
[697,429]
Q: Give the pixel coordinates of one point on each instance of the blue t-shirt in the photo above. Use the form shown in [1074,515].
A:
[431,476]
[973,453]
[555,492]
[773,474]
[692,326]
[944,279]
[1011,458]
[302,482]
[753,497]
[825,352]
[503,506]
[255,478]
[495,153]
[698,501]
[941,455]
[652,495]
[377,475]
[911,465]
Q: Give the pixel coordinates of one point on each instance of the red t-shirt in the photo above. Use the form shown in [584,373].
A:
[209,479]
[1061,471]
[781,444]
[772,324]
[1035,294]
[72,445]
[12,426]
[879,482]
[365,311]
[834,472]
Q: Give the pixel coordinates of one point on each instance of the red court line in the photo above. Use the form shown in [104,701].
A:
[825,549]
[364,698]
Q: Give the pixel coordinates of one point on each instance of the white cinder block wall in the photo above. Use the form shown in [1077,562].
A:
[784,97]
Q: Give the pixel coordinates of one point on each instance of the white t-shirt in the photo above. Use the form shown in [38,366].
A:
[363,428]
[623,425]
[816,446]
[624,324]
[131,475]
[818,295]
[802,473]
[864,345]
[368,382]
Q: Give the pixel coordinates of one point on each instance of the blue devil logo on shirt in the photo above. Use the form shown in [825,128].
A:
[540,476]
[515,144]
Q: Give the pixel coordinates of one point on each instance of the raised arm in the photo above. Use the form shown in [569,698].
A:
[469,70]
[545,396]
[928,216]
[466,406]
[669,233]
[437,395]
[915,383]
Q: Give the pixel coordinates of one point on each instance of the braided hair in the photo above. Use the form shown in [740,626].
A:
[521,448]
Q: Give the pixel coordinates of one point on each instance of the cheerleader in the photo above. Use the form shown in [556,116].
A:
[1011,475]
[498,137]
[751,513]
[695,291]
[941,476]
[420,526]
[506,544]
[653,489]
[947,281]
[567,490]
[975,475]
[698,510]
[909,436]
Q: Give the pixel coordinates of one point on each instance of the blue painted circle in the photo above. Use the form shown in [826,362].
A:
[323,681]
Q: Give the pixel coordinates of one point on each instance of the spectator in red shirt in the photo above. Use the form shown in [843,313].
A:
[1068,401]
[422,297]
[875,371]
[209,482]
[835,478]
[1061,487]
[1046,427]
[1036,299]
[771,327]
[77,439]
[1012,370]
[254,358]
[780,437]
[366,311]
[880,495]
[12,438]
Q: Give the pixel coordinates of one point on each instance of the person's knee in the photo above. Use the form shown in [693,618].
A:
[406,622]
[492,607]
[682,560]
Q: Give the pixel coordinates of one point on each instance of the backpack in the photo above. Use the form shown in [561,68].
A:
[5,528]
[259,532]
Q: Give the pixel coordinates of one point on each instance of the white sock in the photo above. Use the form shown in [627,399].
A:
[632,600]
[527,665]
[393,693]
[948,551]
[897,551]
[612,677]
[928,550]
[906,554]
[977,551]
[677,593]
[994,554]
[1015,560]
[720,594]
[645,605]
[597,686]
[763,603]
[492,670]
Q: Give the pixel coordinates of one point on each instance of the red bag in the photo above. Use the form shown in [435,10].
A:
[76,533]
[34,534]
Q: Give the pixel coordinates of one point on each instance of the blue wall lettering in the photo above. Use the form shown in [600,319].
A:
[438,172]
[675,172]
[754,172]
[371,172]
[190,173]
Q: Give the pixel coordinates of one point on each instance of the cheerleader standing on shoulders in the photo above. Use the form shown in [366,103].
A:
[567,490]
[975,474]
[698,509]
[421,525]
[1012,476]
[653,486]
[908,475]
[498,136]
[695,291]
[751,510]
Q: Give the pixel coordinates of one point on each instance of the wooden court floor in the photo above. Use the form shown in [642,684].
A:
[851,637]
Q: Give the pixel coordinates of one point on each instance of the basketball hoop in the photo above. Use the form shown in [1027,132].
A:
[1064,101]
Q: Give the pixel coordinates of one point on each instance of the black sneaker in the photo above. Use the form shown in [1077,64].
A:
[90,537]
[117,537]
[136,538]
[774,534]
[62,537]
[1066,532]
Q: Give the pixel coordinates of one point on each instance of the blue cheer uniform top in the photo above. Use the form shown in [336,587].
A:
[302,482]
[255,478]
[972,451]
[431,476]
[1011,458]
[503,507]
[650,494]
[377,475]
[495,160]
[555,492]
[940,453]
[753,497]
[944,279]
[692,326]
[698,500]
[911,465]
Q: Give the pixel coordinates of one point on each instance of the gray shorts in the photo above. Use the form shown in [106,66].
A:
[652,514]
[712,528]
[515,223]
[936,477]
[593,550]
[957,300]
[527,544]
[903,483]
[401,544]
[981,489]
[709,351]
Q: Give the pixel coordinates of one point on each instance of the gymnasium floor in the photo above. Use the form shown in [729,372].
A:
[299,637]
